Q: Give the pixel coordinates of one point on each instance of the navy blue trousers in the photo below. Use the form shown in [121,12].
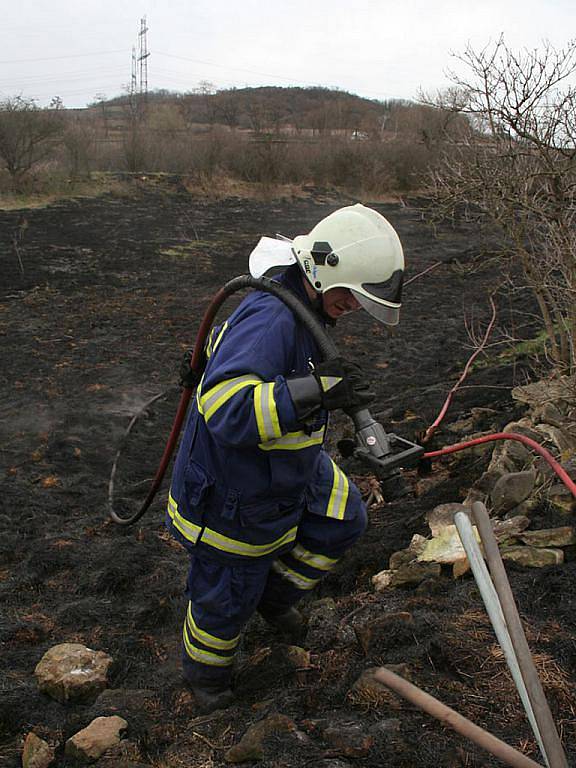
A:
[223,597]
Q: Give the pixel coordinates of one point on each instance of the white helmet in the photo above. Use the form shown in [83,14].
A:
[356,248]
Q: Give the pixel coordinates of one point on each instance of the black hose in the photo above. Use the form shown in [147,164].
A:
[323,341]
[305,314]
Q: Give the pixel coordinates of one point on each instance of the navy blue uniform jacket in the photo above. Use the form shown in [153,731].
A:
[247,469]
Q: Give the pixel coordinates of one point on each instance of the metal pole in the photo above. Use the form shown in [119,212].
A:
[552,743]
[494,610]
[448,716]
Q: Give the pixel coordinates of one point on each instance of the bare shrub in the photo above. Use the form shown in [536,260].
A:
[515,168]
[78,142]
[134,140]
[28,135]
[263,160]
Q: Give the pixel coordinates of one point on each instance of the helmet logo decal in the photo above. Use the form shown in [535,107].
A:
[307,267]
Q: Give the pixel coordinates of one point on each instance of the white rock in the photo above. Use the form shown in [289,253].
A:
[382,580]
[445,547]
[71,671]
[442,516]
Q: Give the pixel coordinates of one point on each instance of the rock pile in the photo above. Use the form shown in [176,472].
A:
[513,485]
[70,672]
[516,478]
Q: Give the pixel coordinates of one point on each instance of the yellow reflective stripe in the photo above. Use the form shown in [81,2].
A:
[189,530]
[266,413]
[204,657]
[206,638]
[327,382]
[209,343]
[222,392]
[235,547]
[338,494]
[219,339]
[302,582]
[199,394]
[294,441]
[212,345]
[320,562]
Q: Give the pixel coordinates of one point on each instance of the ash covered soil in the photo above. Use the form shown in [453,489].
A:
[98,300]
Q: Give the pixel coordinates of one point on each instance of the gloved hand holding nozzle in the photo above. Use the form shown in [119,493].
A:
[334,383]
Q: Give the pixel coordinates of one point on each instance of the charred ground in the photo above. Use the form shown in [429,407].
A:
[99,297]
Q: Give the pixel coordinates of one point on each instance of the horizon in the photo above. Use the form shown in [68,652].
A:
[82,52]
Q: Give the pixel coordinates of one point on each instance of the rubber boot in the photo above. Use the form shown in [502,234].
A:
[211,699]
[290,624]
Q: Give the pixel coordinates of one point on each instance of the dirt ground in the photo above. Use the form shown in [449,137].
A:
[98,299]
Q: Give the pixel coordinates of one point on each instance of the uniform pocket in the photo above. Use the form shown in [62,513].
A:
[264,521]
[197,488]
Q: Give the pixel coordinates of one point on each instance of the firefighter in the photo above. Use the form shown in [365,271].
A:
[261,507]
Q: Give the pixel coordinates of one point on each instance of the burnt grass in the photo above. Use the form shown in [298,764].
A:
[99,298]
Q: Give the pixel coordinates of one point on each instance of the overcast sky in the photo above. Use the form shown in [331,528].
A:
[78,49]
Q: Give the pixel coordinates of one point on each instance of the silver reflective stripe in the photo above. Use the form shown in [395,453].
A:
[236,547]
[320,562]
[221,393]
[302,582]
[199,394]
[294,441]
[266,413]
[338,495]
[204,657]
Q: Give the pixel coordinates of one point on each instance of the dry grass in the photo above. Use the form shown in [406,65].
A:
[98,184]
[221,185]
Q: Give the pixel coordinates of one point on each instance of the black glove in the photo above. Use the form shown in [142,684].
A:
[188,378]
[343,384]
[335,383]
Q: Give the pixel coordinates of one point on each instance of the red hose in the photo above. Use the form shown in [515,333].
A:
[197,364]
[536,447]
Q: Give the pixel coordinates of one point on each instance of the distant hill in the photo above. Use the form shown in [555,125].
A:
[271,108]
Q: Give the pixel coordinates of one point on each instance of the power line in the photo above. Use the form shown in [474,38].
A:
[28,80]
[223,66]
[292,80]
[57,58]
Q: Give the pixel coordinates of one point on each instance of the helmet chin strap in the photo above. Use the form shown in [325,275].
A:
[318,307]
[317,303]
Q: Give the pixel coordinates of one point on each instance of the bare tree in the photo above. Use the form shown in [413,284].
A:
[228,108]
[28,135]
[516,168]
[207,91]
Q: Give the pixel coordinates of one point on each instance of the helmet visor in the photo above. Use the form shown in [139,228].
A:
[384,313]
[388,290]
